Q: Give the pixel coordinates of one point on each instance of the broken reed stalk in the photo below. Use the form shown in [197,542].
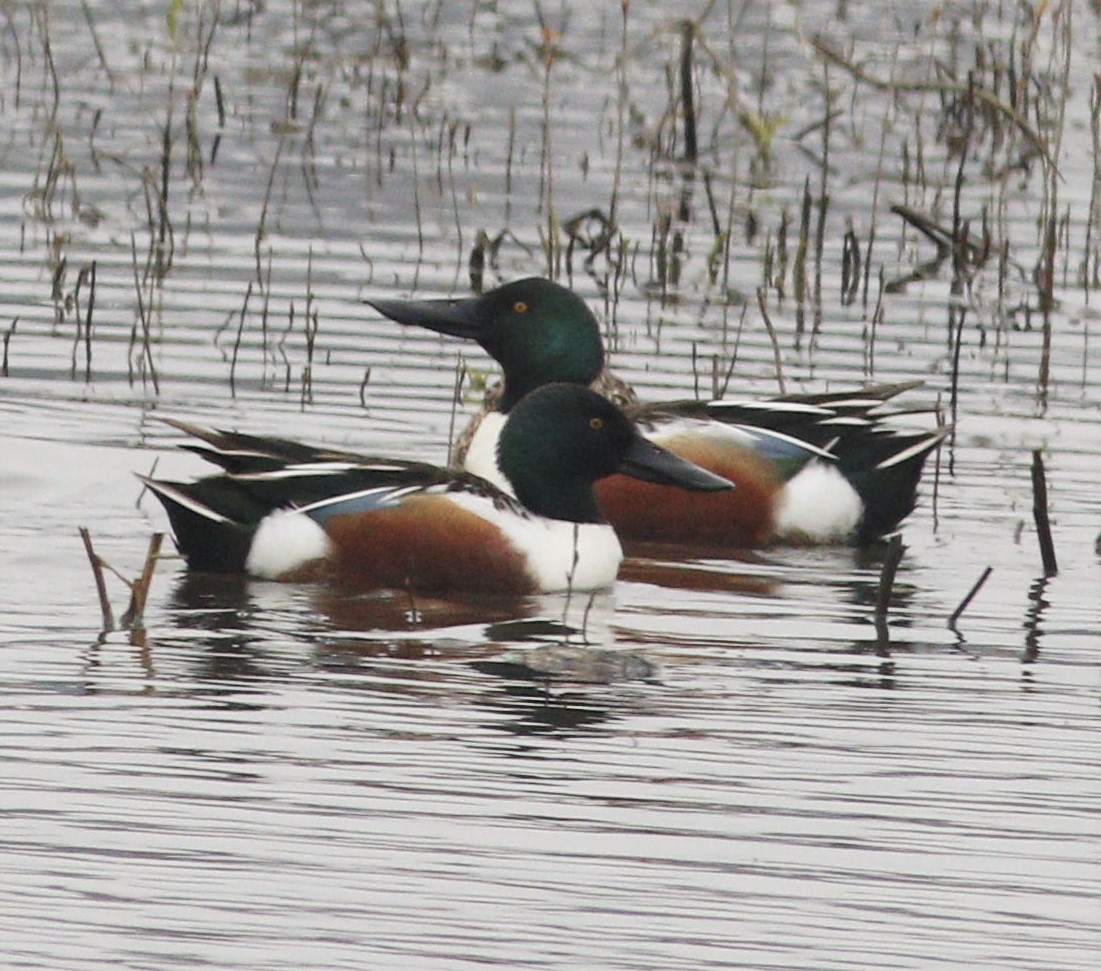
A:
[966,602]
[687,95]
[101,584]
[1040,514]
[895,549]
[139,589]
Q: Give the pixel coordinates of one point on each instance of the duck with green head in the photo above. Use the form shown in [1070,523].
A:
[282,510]
[808,468]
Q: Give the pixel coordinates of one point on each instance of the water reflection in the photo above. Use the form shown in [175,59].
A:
[1038,605]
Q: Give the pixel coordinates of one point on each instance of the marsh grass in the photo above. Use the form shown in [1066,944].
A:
[704,186]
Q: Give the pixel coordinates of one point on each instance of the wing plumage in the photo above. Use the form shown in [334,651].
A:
[216,518]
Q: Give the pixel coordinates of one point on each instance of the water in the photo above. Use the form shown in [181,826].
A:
[730,769]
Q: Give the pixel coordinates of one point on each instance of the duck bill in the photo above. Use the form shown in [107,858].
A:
[649,462]
[456,318]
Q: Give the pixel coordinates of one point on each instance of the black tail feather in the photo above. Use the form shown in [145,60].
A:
[209,539]
[885,469]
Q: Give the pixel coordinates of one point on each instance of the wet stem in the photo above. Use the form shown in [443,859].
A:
[546,170]
[621,117]
[570,578]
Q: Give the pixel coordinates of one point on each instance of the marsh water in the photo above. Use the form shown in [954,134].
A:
[718,763]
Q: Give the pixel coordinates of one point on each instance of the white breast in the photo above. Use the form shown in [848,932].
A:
[481,456]
[560,556]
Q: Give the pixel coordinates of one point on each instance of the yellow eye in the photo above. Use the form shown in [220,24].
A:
[520,307]
[596,424]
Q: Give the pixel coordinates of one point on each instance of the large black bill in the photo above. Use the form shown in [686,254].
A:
[456,318]
[649,462]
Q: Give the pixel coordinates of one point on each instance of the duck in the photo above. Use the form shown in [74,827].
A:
[284,510]
[808,469]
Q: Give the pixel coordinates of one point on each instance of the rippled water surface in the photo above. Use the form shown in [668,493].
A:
[718,763]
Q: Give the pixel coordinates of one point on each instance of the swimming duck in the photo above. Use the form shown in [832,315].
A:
[283,510]
[808,468]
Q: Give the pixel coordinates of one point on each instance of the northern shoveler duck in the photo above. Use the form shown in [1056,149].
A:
[808,468]
[287,511]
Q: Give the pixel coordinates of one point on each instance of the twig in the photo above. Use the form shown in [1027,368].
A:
[978,585]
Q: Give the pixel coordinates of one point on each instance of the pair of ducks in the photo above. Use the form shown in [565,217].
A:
[550,476]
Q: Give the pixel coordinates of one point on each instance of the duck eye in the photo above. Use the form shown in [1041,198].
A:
[520,307]
[596,424]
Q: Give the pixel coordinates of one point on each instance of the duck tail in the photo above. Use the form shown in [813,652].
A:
[213,525]
[884,467]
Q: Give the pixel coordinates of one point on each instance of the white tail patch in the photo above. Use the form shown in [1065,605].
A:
[818,505]
[285,540]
